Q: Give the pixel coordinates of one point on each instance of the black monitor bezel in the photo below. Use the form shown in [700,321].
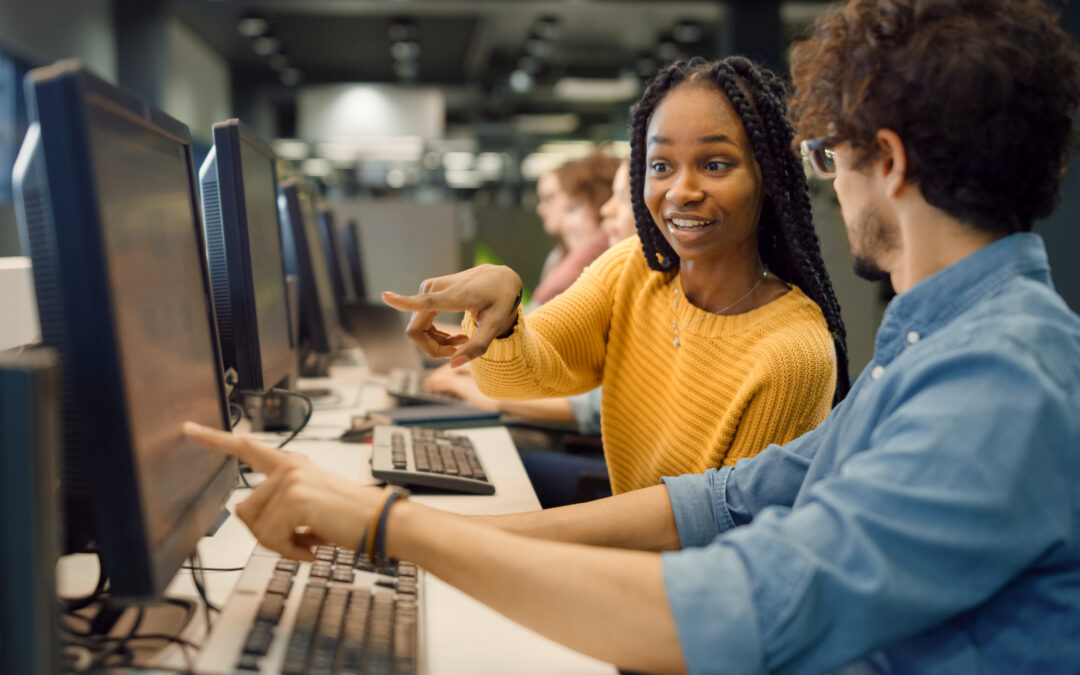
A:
[243,352]
[98,442]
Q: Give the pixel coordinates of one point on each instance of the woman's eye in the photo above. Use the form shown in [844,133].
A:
[716,165]
[659,167]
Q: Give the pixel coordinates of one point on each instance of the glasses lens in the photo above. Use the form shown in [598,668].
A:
[825,163]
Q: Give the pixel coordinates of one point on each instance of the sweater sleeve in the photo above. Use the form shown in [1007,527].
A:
[793,393]
[558,349]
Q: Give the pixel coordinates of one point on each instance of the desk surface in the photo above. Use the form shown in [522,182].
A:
[462,635]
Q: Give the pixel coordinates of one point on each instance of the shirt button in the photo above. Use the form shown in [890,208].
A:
[912,337]
[877,372]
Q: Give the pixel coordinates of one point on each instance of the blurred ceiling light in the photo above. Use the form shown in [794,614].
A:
[406,70]
[278,62]
[541,49]
[539,163]
[667,50]
[687,32]
[395,178]
[458,160]
[386,148]
[266,45]
[490,165]
[520,81]
[598,90]
[251,25]
[530,64]
[405,50]
[317,167]
[432,161]
[548,27]
[463,178]
[402,29]
[290,77]
[567,149]
[550,124]
[291,148]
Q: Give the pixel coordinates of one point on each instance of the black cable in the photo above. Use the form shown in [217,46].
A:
[239,415]
[196,563]
[307,416]
[244,480]
[214,569]
[121,643]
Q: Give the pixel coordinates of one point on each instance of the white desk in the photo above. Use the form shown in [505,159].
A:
[462,635]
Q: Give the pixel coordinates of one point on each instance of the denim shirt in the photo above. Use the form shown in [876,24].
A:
[931,524]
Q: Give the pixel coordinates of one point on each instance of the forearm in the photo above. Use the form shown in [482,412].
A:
[641,519]
[605,603]
[554,409]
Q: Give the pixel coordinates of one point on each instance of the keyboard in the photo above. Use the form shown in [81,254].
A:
[407,386]
[431,458]
[339,615]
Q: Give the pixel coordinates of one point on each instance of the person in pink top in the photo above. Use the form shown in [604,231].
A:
[587,184]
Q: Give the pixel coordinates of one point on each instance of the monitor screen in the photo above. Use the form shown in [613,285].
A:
[152,260]
[344,292]
[304,257]
[124,297]
[323,284]
[267,266]
[350,242]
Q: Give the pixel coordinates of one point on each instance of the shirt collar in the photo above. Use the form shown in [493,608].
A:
[939,298]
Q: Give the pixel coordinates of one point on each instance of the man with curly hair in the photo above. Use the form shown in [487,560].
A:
[931,524]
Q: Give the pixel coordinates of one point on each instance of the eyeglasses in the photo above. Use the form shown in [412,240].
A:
[821,157]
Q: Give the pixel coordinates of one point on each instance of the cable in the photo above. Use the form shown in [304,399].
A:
[307,415]
[239,415]
[214,569]
[121,643]
[196,563]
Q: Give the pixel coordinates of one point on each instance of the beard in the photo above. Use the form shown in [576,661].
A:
[871,237]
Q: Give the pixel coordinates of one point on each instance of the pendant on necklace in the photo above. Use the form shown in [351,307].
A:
[675,341]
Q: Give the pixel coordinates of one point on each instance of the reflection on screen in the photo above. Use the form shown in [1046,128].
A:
[323,286]
[267,268]
[159,305]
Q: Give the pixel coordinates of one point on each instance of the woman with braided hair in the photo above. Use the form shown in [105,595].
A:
[715,331]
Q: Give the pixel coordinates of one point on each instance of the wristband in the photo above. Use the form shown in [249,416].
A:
[513,310]
[372,528]
[397,492]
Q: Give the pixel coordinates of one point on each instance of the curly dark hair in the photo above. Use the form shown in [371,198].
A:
[982,93]
[787,241]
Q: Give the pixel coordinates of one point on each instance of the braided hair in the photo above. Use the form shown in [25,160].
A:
[787,242]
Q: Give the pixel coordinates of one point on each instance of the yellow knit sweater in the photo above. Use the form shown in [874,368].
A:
[734,385]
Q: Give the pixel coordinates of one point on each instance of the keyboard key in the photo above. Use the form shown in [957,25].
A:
[271,608]
[249,662]
[259,638]
[343,574]
[290,566]
[280,585]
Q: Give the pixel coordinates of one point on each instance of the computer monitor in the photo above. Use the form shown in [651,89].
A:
[350,241]
[344,292]
[105,190]
[29,522]
[238,182]
[304,257]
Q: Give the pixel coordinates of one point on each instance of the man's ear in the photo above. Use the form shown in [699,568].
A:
[893,158]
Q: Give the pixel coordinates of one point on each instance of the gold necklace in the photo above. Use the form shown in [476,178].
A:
[675,308]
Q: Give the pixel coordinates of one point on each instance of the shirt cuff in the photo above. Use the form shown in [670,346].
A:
[709,593]
[695,500]
[504,349]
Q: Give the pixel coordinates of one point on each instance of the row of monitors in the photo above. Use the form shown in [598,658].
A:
[146,309]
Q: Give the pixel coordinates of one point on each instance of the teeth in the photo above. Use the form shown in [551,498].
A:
[685,224]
